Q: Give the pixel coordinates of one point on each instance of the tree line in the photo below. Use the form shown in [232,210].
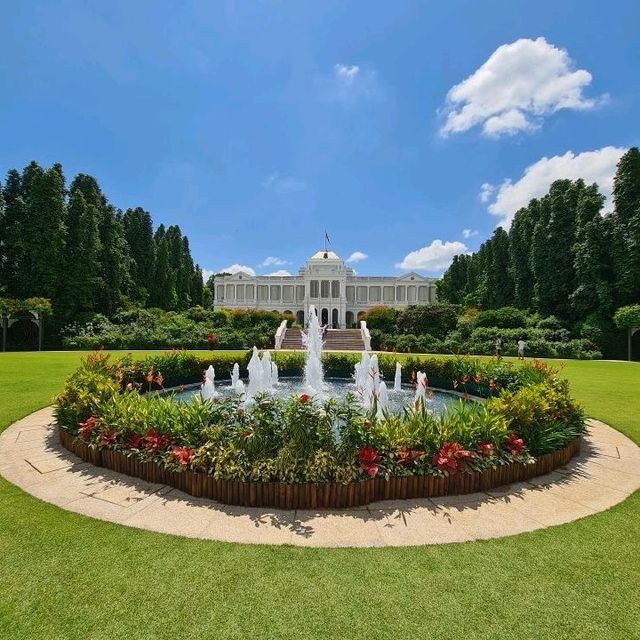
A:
[71,245]
[561,256]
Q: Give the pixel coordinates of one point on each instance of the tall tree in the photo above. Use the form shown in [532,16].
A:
[626,226]
[83,251]
[520,239]
[552,258]
[44,235]
[591,291]
[164,281]
[138,229]
[114,261]
[499,292]
[12,273]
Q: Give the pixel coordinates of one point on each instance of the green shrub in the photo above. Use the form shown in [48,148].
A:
[504,318]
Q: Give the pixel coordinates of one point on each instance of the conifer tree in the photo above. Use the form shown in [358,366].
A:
[499,292]
[139,234]
[626,227]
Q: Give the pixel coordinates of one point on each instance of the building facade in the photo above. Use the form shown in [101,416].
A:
[340,296]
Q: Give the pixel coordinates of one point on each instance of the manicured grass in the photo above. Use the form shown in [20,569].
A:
[65,576]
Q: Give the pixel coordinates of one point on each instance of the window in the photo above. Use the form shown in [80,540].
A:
[275,292]
[287,293]
[335,288]
[374,294]
[423,294]
[299,293]
[401,294]
[314,289]
[351,294]
[324,289]
[220,292]
[250,292]
[362,294]
[240,292]
[230,293]
[387,294]
[411,294]
[263,292]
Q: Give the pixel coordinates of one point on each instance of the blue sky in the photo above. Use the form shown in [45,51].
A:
[255,125]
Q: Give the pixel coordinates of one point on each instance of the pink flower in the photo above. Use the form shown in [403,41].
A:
[87,427]
[181,455]
[367,458]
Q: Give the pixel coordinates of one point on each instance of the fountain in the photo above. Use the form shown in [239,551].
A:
[421,388]
[239,388]
[208,391]
[256,374]
[267,371]
[312,340]
[383,399]
[235,375]
[397,381]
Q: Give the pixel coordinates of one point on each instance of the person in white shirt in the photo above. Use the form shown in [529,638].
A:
[521,347]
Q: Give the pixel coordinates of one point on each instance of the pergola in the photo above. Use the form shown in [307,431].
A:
[32,309]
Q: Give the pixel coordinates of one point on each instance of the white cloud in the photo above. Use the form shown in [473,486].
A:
[273,261]
[519,84]
[347,74]
[280,272]
[206,274]
[469,233]
[283,184]
[235,268]
[357,256]
[349,84]
[437,256]
[592,166]
[486,190]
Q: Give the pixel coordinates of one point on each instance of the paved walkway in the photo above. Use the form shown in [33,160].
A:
[604,474]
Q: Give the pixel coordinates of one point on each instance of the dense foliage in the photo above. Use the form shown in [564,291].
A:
[444,328]
[562,257]
[70,245]
[195,328]
[300,439]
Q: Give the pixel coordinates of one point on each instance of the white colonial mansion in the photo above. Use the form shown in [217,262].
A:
[325,281]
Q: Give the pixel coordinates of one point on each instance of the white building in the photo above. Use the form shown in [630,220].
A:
[340,296]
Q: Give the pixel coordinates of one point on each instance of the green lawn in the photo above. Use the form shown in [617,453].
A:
[67,576]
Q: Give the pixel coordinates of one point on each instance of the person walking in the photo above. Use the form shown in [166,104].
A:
[522,345]
[498,347]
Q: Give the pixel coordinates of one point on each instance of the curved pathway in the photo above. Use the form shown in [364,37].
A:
[605,473]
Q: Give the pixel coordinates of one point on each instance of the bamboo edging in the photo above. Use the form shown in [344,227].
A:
[330,495]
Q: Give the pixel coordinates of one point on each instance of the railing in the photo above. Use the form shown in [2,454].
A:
[366,336]
[282,329]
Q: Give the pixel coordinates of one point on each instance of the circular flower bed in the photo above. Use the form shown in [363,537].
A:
[298,452]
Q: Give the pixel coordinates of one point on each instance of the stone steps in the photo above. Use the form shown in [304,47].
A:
[334,340]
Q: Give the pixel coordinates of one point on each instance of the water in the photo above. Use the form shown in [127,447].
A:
[312,340]
[335,388]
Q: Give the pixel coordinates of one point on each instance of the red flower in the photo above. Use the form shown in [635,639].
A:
[477,378]
[181,455]
[134,442]
[515,445]
[485,449]
[367,424]
[154,442]
[451,457]
[492,385]
[367,458]
[87,427]
[406,456]
[304,398]
[108,438]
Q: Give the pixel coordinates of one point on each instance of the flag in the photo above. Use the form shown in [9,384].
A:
[326,237]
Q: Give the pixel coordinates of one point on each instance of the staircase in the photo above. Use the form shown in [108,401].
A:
[292,339]
[334,340]
[343,340]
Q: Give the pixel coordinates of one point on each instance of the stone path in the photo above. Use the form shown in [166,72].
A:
[604,474]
